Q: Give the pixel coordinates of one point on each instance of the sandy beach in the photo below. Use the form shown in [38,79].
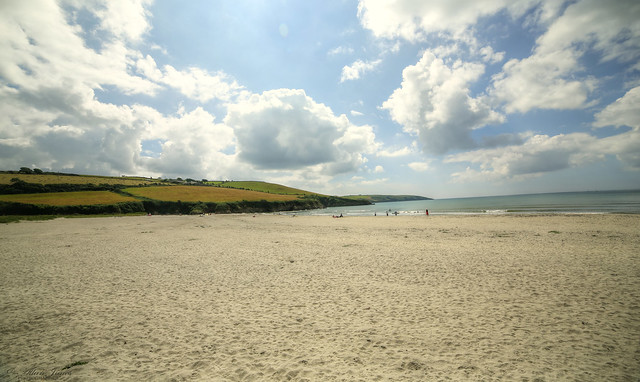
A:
[308,298]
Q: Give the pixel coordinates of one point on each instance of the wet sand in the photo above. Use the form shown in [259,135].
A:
[242,298]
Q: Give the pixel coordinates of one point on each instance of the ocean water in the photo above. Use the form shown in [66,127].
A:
[596,202]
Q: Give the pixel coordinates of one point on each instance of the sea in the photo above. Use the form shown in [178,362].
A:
[589,202]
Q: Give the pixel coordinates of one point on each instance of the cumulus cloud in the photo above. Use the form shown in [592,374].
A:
[434,103]
[414,20]
[125,19]
[192,143]
[625,111]
[394,153]
[286,129]
[542,81]
[434,99]
[195,83]
[75,132]
[539,154]
[50,116]
[357,69]
[201,85]
[80,134]
[419,166]
[39,49]
[488,55]
[547,79]
[611,28]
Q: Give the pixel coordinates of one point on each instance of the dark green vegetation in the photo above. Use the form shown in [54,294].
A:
[386,198]
[30,192]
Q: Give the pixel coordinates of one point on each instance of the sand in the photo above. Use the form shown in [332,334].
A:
[243,298]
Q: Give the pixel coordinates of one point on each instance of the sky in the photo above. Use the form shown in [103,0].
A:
[435,98]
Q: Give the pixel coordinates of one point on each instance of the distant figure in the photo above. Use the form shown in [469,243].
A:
[427,212]
[387,213]
[341,215]
[375,214]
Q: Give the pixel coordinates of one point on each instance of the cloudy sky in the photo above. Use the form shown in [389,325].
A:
[436,98]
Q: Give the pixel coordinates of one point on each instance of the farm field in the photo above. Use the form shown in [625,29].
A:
[271,188]
[74,198]
[204,194]
[75,179]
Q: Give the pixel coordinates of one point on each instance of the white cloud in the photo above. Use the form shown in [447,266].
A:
[287,130]
[419,166]
[51,117]
[201,85]
[340,50]
[625,111]
[543,153]
[549,78]
[542,81]
[539,154]
[378,169]
[39,49]
[611,27]
[414,20]
[390,153]
[488,55]
[192,144]
[125,18]
[195,83]
[355,113]
[434,103]
[357,69]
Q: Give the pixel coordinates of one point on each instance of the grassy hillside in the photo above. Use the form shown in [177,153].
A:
[271,188]
[62,194]
[5,178]
[76,198]
[203,194]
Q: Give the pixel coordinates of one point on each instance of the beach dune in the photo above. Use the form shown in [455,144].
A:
[274,297]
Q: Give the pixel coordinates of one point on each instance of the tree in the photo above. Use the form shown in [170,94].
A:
[37,171]
[25,170]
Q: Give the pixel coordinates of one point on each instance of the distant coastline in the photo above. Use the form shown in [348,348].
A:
[387,198]
[586,202]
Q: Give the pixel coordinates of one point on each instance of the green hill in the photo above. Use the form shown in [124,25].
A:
[271,188]
[27,193]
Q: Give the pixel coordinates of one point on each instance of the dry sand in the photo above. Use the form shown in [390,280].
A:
[230,298]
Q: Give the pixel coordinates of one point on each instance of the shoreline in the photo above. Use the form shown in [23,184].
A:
[237,297]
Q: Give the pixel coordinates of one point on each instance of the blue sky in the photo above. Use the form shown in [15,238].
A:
[436,98]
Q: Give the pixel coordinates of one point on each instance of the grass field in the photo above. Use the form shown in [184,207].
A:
[271,188]
[75,179]
[76,198]
[204,194]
